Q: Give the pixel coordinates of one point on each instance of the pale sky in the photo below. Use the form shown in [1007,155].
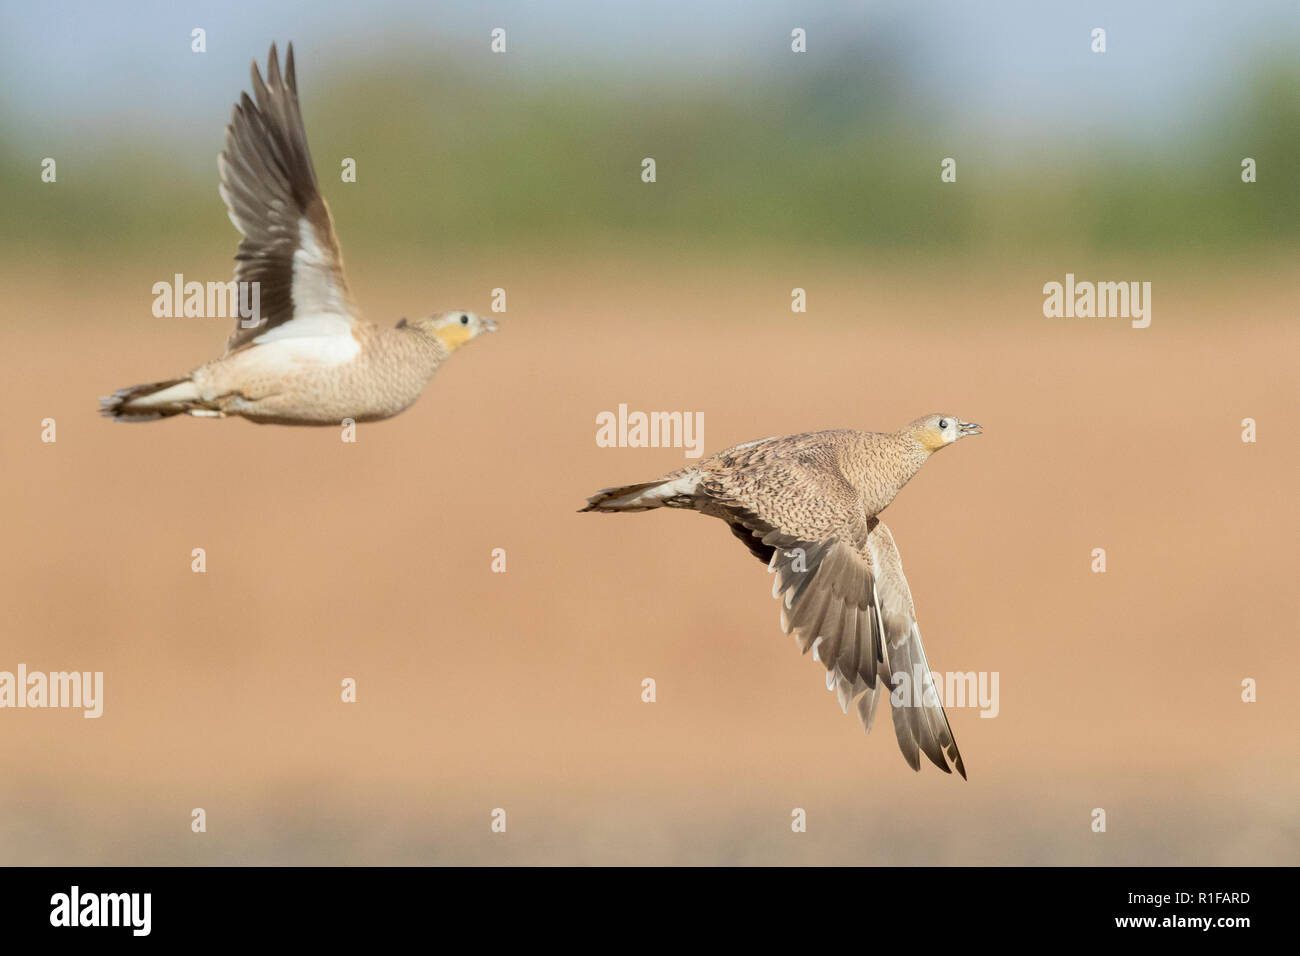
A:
[1023,68]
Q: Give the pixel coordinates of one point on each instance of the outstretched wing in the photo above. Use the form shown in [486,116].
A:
[827,594]
[843,596]
[269,187]
[919,721]
[825,578]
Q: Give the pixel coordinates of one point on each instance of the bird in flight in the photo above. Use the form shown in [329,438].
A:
[307,358]
[808,505]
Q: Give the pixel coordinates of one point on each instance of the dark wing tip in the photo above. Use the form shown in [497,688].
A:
[273,70]
[255,72]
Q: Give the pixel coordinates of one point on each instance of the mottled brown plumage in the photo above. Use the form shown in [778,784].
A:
[808,505]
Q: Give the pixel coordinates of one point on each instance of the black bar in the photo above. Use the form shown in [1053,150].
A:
[963,905]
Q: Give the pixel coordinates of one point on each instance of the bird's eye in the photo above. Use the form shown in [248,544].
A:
[464,320]
[943,423]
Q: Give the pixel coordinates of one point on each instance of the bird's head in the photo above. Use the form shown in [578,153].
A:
[455,328]
[939,430]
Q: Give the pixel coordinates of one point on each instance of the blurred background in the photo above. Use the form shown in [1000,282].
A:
[775,170]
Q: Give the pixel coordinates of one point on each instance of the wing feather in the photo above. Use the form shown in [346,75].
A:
[919,721]
[845,597]
[288,245]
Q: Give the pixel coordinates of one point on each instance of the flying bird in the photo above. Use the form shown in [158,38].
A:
[307,358]
[808,505]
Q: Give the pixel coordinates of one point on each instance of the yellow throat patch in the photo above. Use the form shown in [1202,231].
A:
[930,438]
[454,336]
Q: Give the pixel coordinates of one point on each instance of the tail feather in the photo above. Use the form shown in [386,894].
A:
[148,403]
[673,492]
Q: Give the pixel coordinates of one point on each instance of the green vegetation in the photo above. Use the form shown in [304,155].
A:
[449,160]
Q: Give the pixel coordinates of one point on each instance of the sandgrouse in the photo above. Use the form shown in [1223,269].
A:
[307,358]
[808,505]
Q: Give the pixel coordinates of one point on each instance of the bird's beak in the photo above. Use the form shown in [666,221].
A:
[490,325]
[969,428]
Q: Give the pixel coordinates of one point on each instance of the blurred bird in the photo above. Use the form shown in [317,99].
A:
[807,505]
[308,359]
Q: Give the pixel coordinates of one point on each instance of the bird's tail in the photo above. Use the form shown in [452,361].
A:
[147,403]
[674,491]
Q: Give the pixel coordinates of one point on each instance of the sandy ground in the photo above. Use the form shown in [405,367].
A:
[521,690]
